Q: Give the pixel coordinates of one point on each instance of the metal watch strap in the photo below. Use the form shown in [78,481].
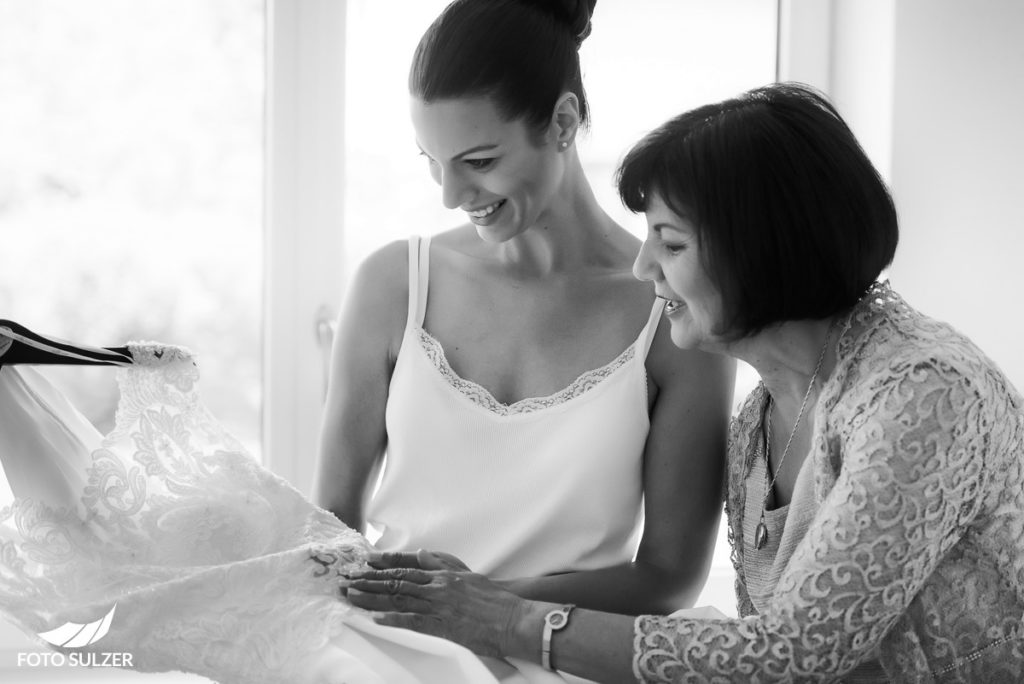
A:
[554,621]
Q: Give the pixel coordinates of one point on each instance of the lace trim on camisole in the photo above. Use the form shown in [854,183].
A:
[480,396]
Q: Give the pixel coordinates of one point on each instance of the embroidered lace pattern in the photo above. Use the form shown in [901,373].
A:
[480,396]
[194,542]
[916,555]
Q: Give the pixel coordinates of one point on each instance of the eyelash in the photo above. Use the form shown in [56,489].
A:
[475,164]
[479,164]
[673,250]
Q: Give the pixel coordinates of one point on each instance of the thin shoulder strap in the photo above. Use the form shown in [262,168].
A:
[419,272]
[647,334]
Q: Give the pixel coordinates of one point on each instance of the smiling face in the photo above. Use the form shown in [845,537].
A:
[670,258]
[493,169]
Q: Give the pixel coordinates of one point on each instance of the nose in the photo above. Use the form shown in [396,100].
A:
[645,267]
[454,188]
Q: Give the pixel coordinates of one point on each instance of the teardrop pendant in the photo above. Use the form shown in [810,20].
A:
[761,535]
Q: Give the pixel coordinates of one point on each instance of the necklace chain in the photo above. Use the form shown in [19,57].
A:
[761,536]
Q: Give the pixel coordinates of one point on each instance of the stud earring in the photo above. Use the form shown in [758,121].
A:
[563,145]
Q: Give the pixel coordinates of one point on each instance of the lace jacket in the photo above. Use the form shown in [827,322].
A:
[916,554]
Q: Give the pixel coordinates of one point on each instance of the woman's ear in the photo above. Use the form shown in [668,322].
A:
[565,120]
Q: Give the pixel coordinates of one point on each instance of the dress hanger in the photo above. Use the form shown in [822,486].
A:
[19,345]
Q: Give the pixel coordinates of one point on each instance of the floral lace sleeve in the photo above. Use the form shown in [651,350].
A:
[913,469]
[739,443]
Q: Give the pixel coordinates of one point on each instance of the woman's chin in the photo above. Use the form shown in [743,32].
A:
[684,336]
[495,234]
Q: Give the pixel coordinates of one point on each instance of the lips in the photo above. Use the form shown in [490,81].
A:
[484,212]
[671,305]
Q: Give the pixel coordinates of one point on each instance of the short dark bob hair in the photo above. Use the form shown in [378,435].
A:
[521,53]
[793,221]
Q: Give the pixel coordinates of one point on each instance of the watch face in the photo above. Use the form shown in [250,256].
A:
[557,620]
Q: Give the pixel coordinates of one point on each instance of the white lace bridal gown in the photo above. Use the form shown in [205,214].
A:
[216,566]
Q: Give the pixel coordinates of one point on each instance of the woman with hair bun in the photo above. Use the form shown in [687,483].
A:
[507,384]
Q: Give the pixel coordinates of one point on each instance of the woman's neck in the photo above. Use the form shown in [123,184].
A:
[786,355]
[572,234]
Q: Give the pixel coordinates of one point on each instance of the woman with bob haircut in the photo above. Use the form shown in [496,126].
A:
[507,384]
[875,480]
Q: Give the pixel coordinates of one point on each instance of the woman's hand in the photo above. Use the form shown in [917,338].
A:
[436,594]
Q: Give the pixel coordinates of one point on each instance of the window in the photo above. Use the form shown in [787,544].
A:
[131,186]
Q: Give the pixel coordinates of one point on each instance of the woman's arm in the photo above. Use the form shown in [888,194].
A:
[429,593]
[684,461]
[353,437]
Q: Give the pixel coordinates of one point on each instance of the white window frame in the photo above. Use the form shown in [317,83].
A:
[845,48]
[303,262]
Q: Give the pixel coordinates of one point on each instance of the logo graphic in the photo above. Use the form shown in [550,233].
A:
[74,635]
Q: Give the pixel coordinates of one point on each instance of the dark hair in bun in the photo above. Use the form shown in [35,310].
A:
[521,53]
[575,13]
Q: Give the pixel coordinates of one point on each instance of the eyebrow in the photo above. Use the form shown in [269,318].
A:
[478,148]
[657,228]
[460,155]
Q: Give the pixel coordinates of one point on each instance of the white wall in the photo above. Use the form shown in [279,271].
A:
[958,167]
[934,90]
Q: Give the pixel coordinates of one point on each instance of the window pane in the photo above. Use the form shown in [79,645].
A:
[648,60]
[131,186]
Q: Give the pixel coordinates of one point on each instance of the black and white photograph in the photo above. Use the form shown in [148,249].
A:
[511,341]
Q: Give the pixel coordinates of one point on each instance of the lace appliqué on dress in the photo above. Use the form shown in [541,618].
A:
[480,396]
[216,565]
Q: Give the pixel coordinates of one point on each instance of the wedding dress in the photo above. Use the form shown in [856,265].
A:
[169,537]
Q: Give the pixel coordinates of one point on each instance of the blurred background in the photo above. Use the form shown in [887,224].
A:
[210,173]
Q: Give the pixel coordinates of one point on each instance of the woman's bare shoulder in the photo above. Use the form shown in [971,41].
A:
[667,364]
[378,295]
[383,276]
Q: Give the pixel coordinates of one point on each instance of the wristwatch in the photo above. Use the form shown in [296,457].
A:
[554,621]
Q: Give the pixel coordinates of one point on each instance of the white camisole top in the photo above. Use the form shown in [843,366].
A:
[541,486]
